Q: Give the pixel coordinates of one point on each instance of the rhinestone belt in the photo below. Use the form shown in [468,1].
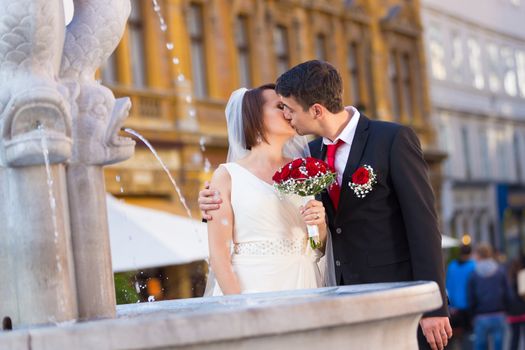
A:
[273,247]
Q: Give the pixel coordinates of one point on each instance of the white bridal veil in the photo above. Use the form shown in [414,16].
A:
[297,147]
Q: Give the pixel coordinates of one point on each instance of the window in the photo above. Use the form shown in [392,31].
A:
[518,156]
[353,71]
[320,47]
[520,63]
[243,50]
[198,55]
[484,150]
[280,38]
[466,151]
[406,86]
[136,33]
[476,69]
[393,75]
[509,78]
[457,58]
[437,53]
[494,67]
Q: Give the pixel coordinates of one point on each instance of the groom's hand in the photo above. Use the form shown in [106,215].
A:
[208,200]
[437,331]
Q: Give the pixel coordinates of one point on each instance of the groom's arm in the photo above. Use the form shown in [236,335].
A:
[409,173]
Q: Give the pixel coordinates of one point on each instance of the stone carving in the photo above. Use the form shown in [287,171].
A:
[91,37]
[55,252]
[35,254]
[31,39]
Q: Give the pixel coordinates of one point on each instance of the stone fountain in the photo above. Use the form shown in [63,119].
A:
[59,127]
[56,257]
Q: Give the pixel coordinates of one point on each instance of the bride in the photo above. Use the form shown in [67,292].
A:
[258,237]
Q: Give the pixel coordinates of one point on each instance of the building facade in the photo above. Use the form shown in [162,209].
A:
[180,70]
[476,67]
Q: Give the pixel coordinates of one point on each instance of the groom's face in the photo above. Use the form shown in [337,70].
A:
[302,121]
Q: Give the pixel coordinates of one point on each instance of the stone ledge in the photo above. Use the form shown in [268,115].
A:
[364,315]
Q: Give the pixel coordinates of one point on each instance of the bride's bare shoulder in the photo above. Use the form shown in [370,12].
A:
[221,177]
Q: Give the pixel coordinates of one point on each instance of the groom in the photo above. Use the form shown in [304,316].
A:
[391,232]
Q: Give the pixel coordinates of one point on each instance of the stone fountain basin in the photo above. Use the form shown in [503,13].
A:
[371,316]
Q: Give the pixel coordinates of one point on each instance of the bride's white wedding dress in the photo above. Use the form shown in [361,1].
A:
[270,245]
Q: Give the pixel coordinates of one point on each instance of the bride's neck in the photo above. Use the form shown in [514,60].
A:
[268,154]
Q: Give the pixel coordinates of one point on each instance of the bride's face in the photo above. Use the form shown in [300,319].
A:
[274,121]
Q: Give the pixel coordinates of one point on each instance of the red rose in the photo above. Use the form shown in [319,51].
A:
[297,174]
[277,177]
[285,172]
[297,163]
[361,176]
[312,169]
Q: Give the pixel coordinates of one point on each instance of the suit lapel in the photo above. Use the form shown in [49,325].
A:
[354,158]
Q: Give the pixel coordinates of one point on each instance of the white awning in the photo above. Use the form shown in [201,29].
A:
[449,242]
[143,238]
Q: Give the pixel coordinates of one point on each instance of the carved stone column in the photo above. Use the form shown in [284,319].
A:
[36,265]
[94,33]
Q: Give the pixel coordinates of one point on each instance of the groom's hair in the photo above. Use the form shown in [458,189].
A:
[252,115]
[313,82]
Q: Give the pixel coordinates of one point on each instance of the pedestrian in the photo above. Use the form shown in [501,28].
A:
[516,312]
[458,274]
[488,298]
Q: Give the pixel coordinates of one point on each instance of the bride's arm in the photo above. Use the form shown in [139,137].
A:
[220,235]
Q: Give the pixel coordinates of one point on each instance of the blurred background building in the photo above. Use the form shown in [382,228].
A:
[476,66]
[180,75]
[180,60]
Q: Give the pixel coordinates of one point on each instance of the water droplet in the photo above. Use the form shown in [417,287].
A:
[156,8]
[192,112]
[151,298]
[121,189]
[163,27]
[207,166]
[169,46]
[197,158]
[188,99]
[175,60]
[202,143]
[180,77]
[224,222]
[117,178]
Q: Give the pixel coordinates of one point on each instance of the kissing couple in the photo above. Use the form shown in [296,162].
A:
[258,237]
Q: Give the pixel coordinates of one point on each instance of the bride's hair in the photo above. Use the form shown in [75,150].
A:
[252,115]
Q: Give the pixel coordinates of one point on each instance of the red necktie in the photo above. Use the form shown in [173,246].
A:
[335,190]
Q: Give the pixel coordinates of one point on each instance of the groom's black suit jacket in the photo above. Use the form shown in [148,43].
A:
[392,234]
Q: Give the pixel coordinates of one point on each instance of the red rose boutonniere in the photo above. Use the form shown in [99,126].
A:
[363,180]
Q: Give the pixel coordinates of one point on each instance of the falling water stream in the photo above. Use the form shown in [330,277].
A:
[146,142]
[52,200]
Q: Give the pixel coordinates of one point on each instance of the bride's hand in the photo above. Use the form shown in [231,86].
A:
[313,213]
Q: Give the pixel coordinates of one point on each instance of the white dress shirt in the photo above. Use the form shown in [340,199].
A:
[347,135]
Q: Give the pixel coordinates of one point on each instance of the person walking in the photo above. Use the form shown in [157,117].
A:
[488,299]
[458,274]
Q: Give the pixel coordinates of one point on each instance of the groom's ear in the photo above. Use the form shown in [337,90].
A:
[317,110]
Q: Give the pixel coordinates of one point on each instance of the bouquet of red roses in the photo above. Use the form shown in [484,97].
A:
[305,177]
